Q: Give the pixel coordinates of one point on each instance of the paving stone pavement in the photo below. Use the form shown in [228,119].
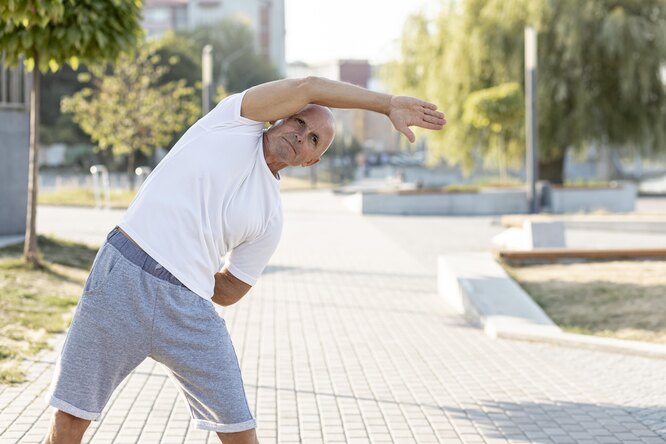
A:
[344,339]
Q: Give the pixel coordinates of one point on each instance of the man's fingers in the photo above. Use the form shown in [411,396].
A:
[432,126]
[407,132]
[435,120]
[434,113]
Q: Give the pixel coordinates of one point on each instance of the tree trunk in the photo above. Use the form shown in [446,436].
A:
[552,170]
[130,168]
[30,250]
[503,169]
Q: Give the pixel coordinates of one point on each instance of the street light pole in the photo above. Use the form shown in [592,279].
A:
[206,78]
[532,161]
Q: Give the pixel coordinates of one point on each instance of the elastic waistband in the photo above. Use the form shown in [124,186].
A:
[137,256]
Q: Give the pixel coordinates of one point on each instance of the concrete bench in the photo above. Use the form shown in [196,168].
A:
[534,234]
[475,285]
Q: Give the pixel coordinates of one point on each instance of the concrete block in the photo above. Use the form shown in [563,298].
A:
[486,202]
[533,235]
[544,234]
[619,198]
[475,285]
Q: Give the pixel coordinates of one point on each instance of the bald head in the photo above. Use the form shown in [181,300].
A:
[323,114]
[300,139]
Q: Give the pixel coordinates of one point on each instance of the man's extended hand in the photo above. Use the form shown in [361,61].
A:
[409,111]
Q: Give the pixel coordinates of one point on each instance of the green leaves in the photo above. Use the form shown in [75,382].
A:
[68,31]
[497,109]
[129,110]
[599,77]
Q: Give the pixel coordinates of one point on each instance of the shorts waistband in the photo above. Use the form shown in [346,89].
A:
[137,256]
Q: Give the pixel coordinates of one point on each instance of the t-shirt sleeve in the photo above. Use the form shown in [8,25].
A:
[227,114]
[248,260]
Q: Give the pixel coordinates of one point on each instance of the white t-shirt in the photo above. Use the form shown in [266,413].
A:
[211,195]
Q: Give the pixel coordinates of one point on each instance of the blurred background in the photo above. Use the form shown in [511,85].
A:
[600,92]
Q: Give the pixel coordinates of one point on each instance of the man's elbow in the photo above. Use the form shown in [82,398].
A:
[308,87]
[228,289]
[225,302]
[228,299]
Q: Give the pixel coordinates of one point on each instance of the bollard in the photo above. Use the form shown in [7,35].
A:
[142,173]
[101,185]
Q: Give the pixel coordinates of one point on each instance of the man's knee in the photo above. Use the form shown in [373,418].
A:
[245,437]
[66,428]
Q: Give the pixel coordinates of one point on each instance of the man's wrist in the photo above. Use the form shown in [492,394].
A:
[387,106]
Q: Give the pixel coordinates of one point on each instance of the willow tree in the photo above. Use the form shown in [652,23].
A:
[497,115]
[48,33]
[599,74]
[130,109]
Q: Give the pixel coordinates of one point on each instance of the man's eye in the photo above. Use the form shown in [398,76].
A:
[300,121]
[315,139]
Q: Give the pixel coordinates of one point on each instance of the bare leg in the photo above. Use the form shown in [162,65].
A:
[66,429]
[245,437]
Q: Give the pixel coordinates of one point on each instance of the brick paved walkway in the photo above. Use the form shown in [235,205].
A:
[345,340]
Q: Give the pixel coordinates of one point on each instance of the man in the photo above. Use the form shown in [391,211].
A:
[216,193]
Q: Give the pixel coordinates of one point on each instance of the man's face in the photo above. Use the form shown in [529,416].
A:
[300,140]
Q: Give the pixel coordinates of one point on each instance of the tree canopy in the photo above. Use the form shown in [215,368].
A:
[497,116]
[49,33]
[237,64]
[70,31]
[599,65]
[131,108]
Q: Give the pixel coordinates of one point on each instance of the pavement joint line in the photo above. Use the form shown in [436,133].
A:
[309,357]
[385,420]
[420,405]
[333,384]
[27,364]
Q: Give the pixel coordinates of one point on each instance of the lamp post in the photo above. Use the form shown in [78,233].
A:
[206,78]
[531,162]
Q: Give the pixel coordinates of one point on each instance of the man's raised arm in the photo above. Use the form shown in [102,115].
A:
[282,98]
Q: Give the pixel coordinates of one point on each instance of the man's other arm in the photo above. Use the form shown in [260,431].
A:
[228,288]
[282,98]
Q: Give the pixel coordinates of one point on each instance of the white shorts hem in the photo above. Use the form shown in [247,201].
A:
[224,428]
[69,408]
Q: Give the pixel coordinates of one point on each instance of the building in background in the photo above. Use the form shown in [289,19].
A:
[372,130]
[264,17]
[14,149]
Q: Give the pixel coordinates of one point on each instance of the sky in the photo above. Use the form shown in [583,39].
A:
[325,30]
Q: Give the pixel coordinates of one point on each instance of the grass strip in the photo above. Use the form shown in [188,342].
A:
[37,302]
[619,299]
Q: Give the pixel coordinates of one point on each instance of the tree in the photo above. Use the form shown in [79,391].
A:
[54,126]
[497,115]
[130,109]
[49,33]
[599,74]
[237,66]
[176,52]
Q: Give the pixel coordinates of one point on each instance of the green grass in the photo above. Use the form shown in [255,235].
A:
[11,374]
[37,302]
[84,197]
[581,183]
[617,299]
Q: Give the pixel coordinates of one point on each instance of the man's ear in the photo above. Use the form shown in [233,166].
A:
[311,162]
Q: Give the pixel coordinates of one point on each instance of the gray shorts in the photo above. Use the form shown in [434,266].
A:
[132,308]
